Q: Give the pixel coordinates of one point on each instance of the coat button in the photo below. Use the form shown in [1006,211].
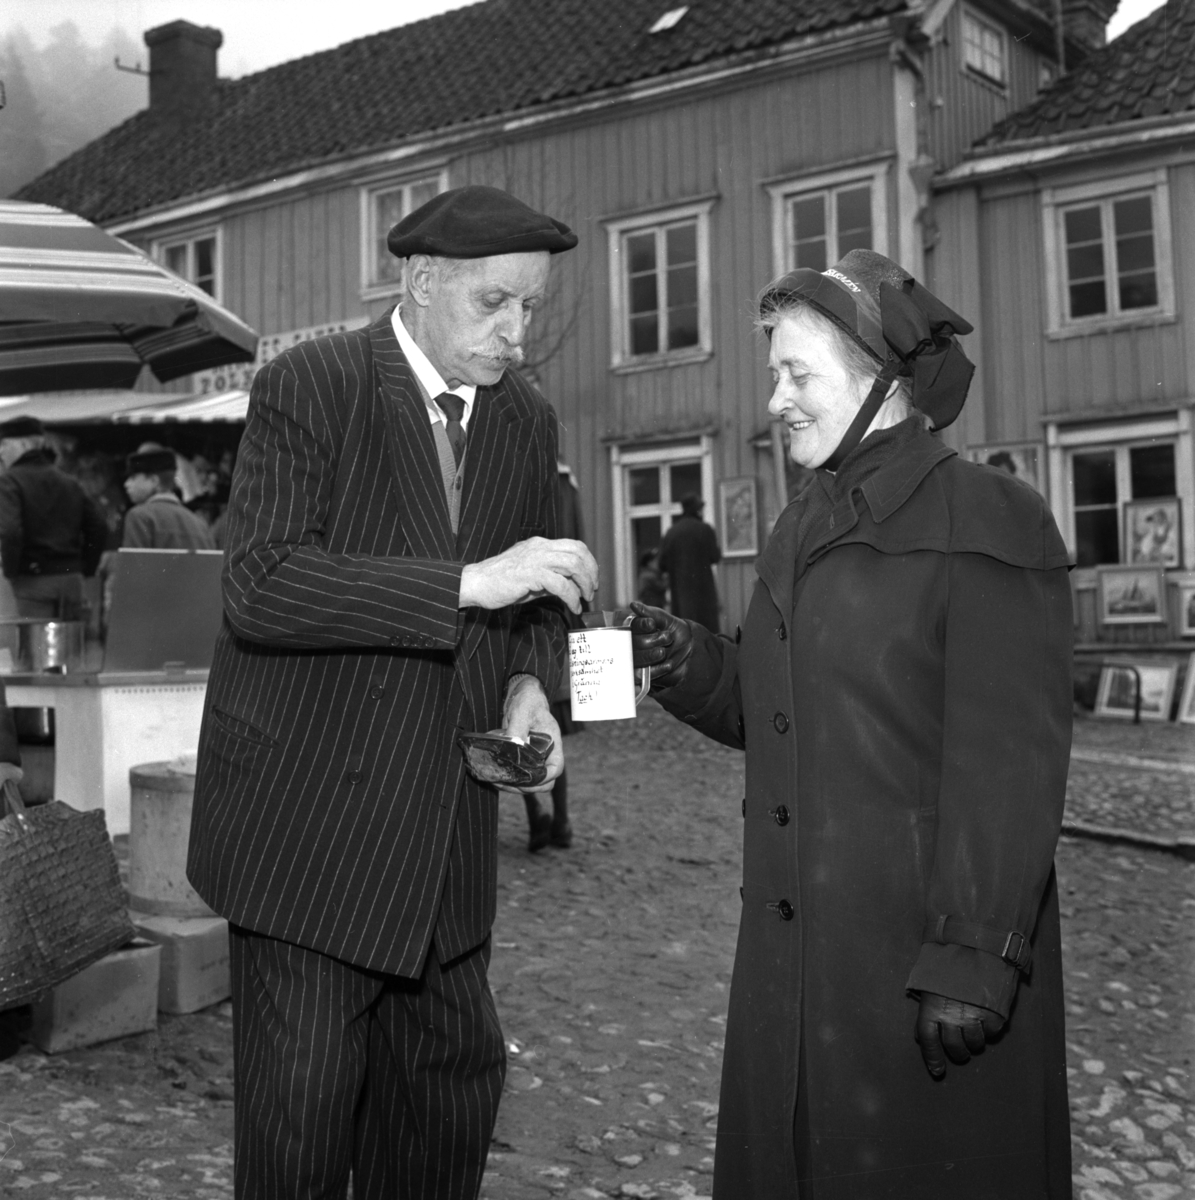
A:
[785,909]
[782,632]
[744,807]
[781,722]
[781,814]
[376,693]
[353,776]
[738,634]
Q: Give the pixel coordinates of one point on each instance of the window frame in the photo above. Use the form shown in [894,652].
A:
[984,23]
[626,456]
[162,245]
[372,289]
[617,229]
[784,193]
[1063,440]
[1056,202]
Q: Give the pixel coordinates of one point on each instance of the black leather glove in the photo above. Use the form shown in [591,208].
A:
[952,1029]
[662,642]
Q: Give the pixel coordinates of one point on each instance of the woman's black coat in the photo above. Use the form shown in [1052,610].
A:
[905,705]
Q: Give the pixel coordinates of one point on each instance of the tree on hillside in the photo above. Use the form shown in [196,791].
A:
[61,97]
[22,133]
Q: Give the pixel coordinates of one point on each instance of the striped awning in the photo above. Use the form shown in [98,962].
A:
[126,408]
[80,308]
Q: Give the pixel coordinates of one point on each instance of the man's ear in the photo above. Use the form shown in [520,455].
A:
[419,279]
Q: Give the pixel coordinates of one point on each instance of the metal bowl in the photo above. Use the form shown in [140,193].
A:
[41,645]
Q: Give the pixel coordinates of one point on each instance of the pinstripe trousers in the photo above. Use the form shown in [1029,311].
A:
[340,1069]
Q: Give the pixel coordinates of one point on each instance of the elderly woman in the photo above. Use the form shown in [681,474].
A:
[902,687]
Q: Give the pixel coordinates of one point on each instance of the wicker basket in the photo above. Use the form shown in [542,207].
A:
[61,903]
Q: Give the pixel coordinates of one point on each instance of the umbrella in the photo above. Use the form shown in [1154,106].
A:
[80,308]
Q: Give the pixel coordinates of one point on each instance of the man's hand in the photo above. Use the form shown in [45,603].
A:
[527,709]
[10,771]
[952,1029]
[528,570]
[662,642]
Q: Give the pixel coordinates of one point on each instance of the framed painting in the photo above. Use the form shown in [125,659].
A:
[738,515]
[1153,531]
[1020,461]
[1186,610]
[1131,595]
[1186,706]
[1118,690]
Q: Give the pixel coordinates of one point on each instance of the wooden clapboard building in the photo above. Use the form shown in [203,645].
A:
[1067,232]
[698,149]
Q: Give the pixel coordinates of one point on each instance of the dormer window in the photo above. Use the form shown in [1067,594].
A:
[985,47]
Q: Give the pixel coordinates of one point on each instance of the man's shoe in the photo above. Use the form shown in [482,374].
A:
[562,835]
[541,832]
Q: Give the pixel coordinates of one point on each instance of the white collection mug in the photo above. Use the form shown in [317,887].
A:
[602,676]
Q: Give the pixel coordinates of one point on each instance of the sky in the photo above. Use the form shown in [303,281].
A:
[261,33]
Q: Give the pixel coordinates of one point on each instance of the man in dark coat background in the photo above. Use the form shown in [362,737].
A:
[158,520]
[687,555]
[52,535]
[392,533]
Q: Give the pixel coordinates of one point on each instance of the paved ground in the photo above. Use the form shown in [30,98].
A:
[611,968]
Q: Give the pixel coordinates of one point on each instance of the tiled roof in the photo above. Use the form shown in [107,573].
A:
[500,56]
[1149,71]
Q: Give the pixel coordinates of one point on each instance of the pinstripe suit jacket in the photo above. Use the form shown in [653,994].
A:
[332,808]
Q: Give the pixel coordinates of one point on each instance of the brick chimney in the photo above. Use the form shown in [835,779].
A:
[1087,20]
[182,68]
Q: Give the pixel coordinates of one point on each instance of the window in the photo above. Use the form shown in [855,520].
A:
[195,259]
[649,484]
[1111,266]
[1097,469]
[1108,252]
[659,275]
[383,208]
[984,47]
[816,220]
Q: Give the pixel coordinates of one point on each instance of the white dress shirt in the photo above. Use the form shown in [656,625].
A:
[431,379]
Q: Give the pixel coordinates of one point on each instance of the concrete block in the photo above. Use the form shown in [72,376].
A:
[195,971]
[112,998]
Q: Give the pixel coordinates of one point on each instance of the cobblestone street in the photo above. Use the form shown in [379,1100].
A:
[611,970]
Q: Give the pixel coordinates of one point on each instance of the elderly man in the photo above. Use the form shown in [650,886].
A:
[393,579]
[52,535]
[158,520]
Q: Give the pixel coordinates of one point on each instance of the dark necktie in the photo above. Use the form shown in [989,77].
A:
[453,408]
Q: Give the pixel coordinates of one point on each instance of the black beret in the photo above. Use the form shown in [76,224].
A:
[20,427]
[477,222]
[151,462]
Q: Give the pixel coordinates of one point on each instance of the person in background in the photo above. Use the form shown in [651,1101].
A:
[51,534]
[688,553]
[158,519]
[554,829]
[653,583]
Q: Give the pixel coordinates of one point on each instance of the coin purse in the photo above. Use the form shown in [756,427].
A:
[498,758]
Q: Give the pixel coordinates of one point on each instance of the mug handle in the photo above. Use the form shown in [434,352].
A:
[644,672]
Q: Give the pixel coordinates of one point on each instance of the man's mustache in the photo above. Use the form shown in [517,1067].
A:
[508,354]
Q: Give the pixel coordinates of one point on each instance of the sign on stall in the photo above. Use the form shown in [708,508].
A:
[240,376]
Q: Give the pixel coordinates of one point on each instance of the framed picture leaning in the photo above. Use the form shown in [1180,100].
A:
[1153,531]
[1118,690]
[738,517]
[1131,595]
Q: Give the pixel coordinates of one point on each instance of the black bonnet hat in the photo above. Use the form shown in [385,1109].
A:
[903,326]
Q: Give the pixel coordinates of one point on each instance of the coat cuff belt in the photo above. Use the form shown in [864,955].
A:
[1012,946]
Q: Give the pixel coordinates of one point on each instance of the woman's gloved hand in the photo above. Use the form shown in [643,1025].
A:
[662,642]
[952,1029]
